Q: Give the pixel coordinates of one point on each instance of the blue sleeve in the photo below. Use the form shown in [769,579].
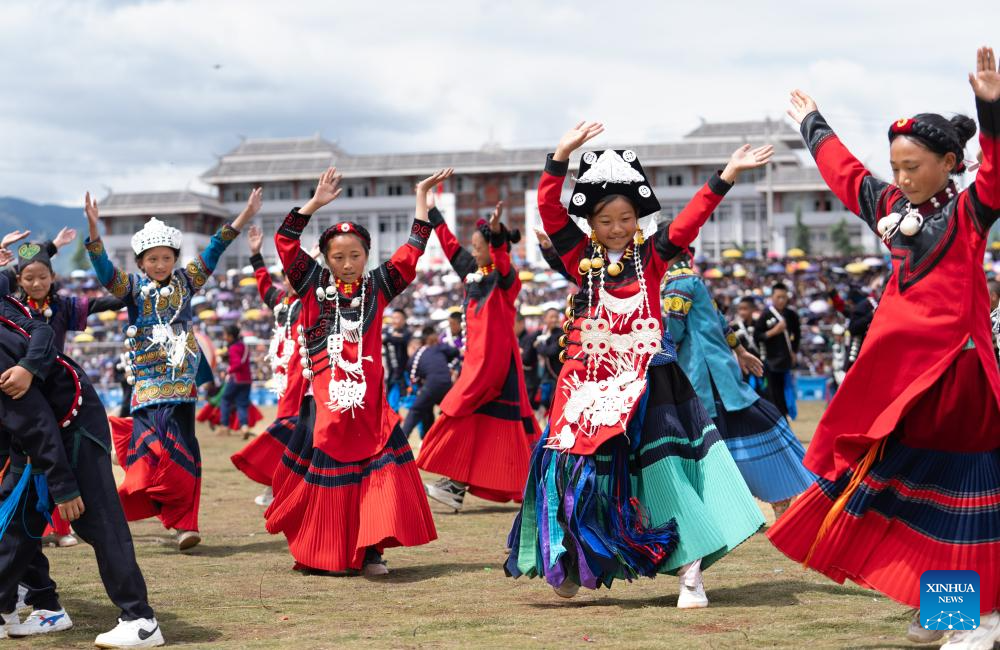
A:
[677,304]
[118,283]
[199,269]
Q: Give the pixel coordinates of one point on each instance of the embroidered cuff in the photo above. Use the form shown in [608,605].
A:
[257,261]
[227,233]
[95,247]
[732,340]
[419,234]
[556,167]
[718,185]
[498,239]
[294,224]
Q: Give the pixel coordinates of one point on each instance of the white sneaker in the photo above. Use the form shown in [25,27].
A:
[22,593]
[187,539]
[140,633]
[375,570]
[7,620]
[917,634]
[982,638]
[41,621]
[692,594]
[66,541]
[265,498]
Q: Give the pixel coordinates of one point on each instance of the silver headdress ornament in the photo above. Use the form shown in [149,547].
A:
[155,233]
[609,167]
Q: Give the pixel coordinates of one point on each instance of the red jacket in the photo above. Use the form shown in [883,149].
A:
[239,364]
[295,391]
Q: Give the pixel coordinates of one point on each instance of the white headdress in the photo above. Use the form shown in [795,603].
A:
[155,233]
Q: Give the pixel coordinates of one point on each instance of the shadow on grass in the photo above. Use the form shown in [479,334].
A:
[784,593]
[91,617]
[421,572]
[277,544]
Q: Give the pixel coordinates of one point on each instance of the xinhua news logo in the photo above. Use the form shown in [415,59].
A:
[949,600]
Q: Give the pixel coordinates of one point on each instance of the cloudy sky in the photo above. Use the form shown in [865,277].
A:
[143,95]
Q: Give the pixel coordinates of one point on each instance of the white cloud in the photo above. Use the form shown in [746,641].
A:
[140,95]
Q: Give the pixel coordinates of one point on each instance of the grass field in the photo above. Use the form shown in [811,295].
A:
[237,590]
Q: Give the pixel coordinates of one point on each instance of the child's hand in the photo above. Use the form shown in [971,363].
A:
[71,510]
[65,236]
[15,381]
[6,257]
[495,218]
[802,105]
[255,237]
[576,137]
[746,158]
[13,237]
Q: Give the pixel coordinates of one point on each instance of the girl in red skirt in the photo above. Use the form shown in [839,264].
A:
[908,452]
[260,458]
[482,441]
[347,487]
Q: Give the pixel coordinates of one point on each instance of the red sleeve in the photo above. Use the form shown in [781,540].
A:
[509,279]
[461,260]
[265,286]
[395,275]
[568,240]
[846,177]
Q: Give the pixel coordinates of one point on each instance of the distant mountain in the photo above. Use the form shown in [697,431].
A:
[44,221]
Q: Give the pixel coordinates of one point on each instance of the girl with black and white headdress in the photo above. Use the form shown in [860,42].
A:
[631,478]
[161,457]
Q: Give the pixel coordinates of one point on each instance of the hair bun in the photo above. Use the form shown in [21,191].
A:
[514,235]
[965,126]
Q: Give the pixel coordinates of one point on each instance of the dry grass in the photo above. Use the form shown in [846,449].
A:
[237,590]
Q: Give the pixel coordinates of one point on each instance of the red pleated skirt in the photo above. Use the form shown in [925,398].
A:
[331,512]
[931,500]
[158,450]
[260,457]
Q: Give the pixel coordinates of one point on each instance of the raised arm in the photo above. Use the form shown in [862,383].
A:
[550,255]
[398,272]
[846,177]
[677,236]
[499,253]
[985,191]
[461,260]
[117,282]
[265,286]
[199,269]
[302,270]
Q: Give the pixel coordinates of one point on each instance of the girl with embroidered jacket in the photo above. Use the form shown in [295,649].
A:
[631,479]
[908,452]
[260,458]
[161,458]
[482,441]
[347,487]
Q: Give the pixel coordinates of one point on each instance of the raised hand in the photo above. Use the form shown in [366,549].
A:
[254,201]
[255,237]
[93,218]
[543,239]
[985,81]
[13,237]
[6,257]
[576,137]
[425,187]
[746,158]
[65,236]
[802,105]
[327,190]
[495,218]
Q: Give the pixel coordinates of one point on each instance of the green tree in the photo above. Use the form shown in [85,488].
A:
[80,259]
[801,231]
[840,235]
